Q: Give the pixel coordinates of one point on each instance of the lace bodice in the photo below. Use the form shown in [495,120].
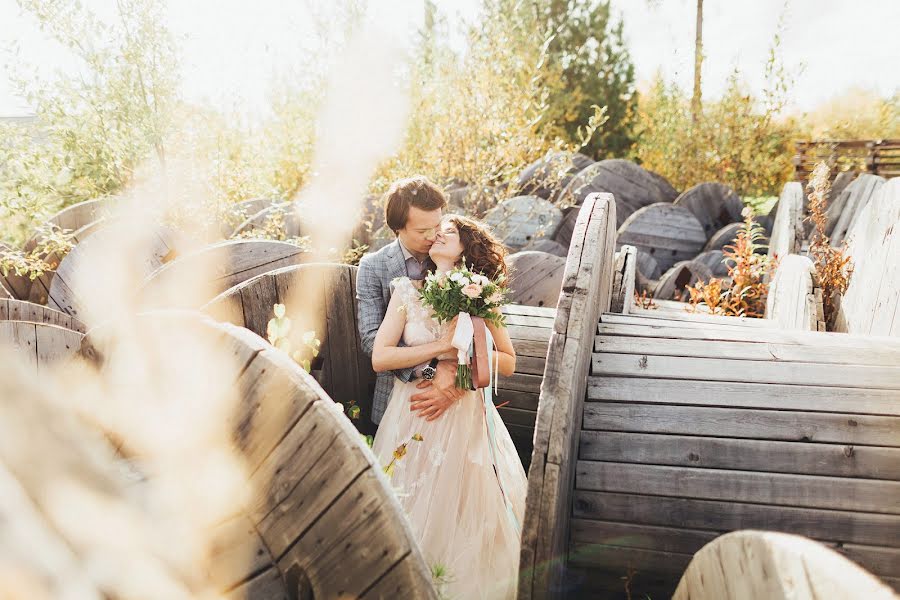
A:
[421,326]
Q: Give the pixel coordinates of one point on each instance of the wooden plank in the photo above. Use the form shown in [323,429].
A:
[268,584]
[744,423]
[865,495]
[744,395]
[672,511]
[530,321]
[399,581]
[534,311]
[788,303]
[747,351]
[236,553]
[588,532]
[741,454]
[686,319]
[787,230]
[648,328]
[54,343]
[757,371]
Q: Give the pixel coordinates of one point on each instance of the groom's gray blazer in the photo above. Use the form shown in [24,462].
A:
[373,292]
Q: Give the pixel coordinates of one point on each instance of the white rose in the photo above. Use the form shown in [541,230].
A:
[481,280]
[456,276]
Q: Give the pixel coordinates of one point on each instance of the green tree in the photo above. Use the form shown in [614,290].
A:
[587,49]
[96,126]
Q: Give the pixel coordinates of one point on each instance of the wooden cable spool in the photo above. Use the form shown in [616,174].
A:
[82,269]
[545,177]
[319,500]
[776,566]
[214,269]
[523,219]
[790,302]
[672,284]
[77,216]
[342,369]
[715,261]
[41,345]
[714,204]
[871,304]
[549,246]
[787,229]
[647,265]
[39,292]
[563,234]
[281,216]
[861,192]
[21,310]
[668,232]
[632,186]
[726,236]
[535,278]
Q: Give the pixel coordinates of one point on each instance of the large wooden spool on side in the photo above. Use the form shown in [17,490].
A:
[82,267]
[775,566]
[320,501]
[668,232]
[535,278]
[343,370]
[40,345]
[714,204]
[587,289]
[216,268]
[21,310]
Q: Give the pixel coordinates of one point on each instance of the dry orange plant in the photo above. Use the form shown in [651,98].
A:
[833,265]
[743,293]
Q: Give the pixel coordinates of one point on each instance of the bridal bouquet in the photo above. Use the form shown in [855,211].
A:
[467,294]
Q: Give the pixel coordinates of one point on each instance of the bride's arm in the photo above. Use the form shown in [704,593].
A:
[505,351]
[388,356]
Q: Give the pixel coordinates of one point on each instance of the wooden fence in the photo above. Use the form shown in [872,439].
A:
[881,157]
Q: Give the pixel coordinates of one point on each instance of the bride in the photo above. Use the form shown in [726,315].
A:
[462,486]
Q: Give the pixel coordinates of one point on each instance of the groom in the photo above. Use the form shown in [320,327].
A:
[412,209]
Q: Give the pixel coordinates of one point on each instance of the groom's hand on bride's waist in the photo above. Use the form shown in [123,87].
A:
[438,394]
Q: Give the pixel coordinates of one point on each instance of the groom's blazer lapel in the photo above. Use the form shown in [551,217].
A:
[396,264]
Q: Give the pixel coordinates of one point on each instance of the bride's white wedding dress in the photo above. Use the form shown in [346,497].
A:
[465,514]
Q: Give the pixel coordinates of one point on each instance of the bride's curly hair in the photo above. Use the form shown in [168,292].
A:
[482,252]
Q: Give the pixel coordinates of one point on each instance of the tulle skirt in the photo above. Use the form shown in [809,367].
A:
[465,514]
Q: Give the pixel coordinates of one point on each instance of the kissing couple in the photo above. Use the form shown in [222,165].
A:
[460,481]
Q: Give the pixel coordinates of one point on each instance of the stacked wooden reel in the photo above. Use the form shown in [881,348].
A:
[678,238]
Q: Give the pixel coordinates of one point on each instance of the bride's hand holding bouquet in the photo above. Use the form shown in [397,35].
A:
[459,295]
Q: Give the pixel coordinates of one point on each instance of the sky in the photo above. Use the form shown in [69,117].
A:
[232,49]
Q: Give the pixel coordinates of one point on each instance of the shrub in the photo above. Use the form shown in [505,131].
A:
[744,293]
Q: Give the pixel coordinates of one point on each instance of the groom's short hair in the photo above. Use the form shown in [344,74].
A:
[415,191]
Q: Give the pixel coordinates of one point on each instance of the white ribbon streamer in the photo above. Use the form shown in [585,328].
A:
[462,337]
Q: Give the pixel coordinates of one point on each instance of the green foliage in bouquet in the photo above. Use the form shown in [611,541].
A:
[462,291]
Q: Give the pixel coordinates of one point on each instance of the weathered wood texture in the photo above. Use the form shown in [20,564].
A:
[193,279]
[871,304]
[673,282]
[549,246]
[78,216]
[587,288]
[319,499]
[39,291]
[40,345]
[549,175]
[521,220]
[631,185]
[725,236]
[696,425]
[667,232]
[319,297]
[20,310]
[535,278]
[787,230]
[17,286]
[624,280]
[714,204]
[81,274]
[879,157]
[778,566]
[858,195]
[714,261]
[4,293]
[791,303]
